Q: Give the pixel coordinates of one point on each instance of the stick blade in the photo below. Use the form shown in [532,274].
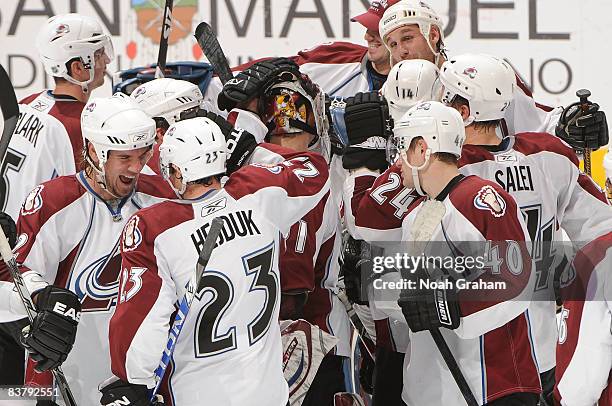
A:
[208,42]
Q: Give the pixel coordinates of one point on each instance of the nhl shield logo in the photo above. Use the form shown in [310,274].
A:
[487,198]
[149,15]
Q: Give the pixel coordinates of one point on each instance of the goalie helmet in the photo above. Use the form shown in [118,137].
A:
[409,12]
[485,81]
[66,37]
[408,83]
[115,124]
[287,107]
[440,126]
[167,98]
[197,147]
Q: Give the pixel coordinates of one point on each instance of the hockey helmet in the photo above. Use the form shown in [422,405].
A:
[115,124]
[167,98]
[197,147]
[408,83]
[69,36]
[485,81]
[409,12]
[440,126]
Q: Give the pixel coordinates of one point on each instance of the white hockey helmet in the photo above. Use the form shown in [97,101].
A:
[408,83]
[115,124]
[440,126]
[409,12]
[197,147]
[167,98]
[69,36]
[485,81]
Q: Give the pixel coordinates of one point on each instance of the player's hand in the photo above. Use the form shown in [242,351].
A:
[352,263]
[240,143]
[368,126]
[50,337]
[8,226]
[137,395]
[427,309]
[251,82]
[590,130]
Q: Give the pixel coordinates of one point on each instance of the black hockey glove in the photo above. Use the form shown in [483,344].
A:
[428,309]
[589,130]
[240,143]
[356,261]
[252,81]
[368,126]
[8,226]
[124,393]
[50,337]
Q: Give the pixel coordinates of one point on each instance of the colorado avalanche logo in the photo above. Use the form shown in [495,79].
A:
[60,31]
[132,237]
[470,72]
[140,91]
[487,198]
[33,202]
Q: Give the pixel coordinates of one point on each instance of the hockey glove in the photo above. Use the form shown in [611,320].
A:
[589,130]
[124,393]
[368,126]
[252,81]
[8,226]
[240,143]
[428,309]
[50,337]
[355,261]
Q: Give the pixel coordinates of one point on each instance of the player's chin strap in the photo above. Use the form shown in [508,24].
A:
[415,170]
[100,176]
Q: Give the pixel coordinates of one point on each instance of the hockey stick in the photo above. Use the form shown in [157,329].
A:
[192,288]
[11,263]
[426,221]
[10,111]
[163,40]
[208,42]
[584,94]
[354,319]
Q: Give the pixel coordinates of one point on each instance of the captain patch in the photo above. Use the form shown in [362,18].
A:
[487,198]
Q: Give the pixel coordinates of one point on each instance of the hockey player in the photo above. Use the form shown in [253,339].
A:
[413,30]
[429,139]
[584,350]
[47,141]
[539,171]
[232,328]
[164,100]
[68,243]
[287,109]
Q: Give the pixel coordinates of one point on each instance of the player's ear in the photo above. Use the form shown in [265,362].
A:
[91,151]
[464,110]
[434,36]
[77,70]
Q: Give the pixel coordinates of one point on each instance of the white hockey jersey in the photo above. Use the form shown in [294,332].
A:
[584,351]
[229,350]
[541,173]
[69,237]
[492,345]
[47,143]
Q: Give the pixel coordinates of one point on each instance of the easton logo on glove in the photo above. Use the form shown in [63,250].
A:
[64,310]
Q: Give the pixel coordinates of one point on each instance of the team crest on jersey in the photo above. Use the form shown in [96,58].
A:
[33,202]
[132,237]
[487,198]
[470,72]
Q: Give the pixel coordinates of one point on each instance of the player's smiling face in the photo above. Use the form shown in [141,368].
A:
[407,42]
[122,169]
[377,52]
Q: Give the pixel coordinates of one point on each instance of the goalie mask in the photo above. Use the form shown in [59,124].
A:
[440,126]
[295,106]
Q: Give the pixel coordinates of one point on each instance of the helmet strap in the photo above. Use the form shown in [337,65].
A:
[415,170]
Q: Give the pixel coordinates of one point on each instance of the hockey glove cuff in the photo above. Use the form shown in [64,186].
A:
[428,309]
[50,337]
